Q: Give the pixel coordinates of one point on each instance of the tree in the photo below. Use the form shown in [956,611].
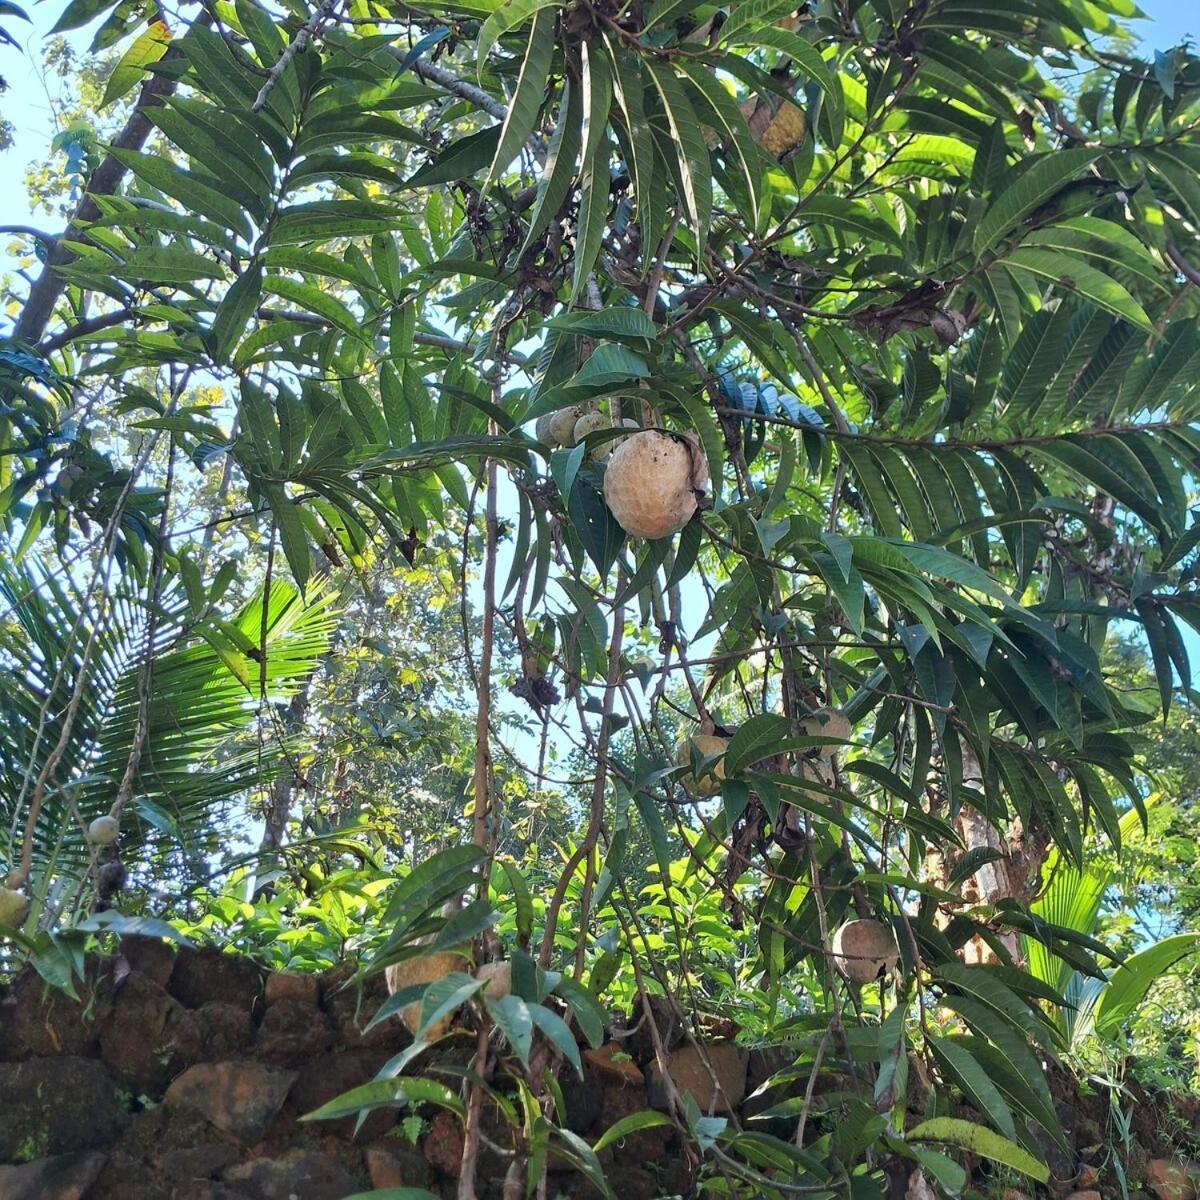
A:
[836,364]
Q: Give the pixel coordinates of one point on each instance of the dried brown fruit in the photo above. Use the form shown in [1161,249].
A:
[864,950]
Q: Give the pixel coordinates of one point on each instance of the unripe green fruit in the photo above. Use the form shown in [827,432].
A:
[542,430]
[830,723]
[562,426]
[103,831]
[13,907]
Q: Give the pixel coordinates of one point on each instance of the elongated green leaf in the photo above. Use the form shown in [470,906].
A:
[695,169]
[982,1141]
[511,14]
[132,67]
[1137,974]
[1033,186]
[527,99]
[1077,275]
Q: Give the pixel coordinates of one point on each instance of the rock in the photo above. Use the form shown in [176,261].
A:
[329,1075]
[292,1033]
[391,1164]
[239,1098]
[1014,1194]
[350,1008]
[192,1163]
[715,1075]
[443,1144]
[56,1106]
[667,1019]
[227,1029]
[296,1175]
[633,1183]
[204,975]
[1169,1179]
[64,1177]
[1088,1177]
[149,1037]
[151,956]
[37,1019]
[210,1191]
[645,1146]
[583,1100]
[291,985]
[613,1065]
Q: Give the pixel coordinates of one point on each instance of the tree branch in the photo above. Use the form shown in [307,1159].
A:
[105,179]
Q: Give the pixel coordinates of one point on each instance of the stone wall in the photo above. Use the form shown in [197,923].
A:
[185,1077]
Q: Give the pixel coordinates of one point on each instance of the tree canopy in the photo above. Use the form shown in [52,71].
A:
[779,409]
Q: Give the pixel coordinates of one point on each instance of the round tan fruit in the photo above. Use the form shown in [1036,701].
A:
[830,723]
[498,976]
[864,950]
[425,968]
[651,482]
[707,745]
[562,425]
[103,831]
[542,431]
[13,907]
[591,422]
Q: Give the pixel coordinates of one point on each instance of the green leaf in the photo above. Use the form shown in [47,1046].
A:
[596,184]
[1135,976]
[527,99]
[181,185]
[556,1030]
[757,739]
[133,66]
[1076,275]
[386,1093]
[1035,183]
[695,168]
[235,311]
[647,1119]
[559,170]
[974,1081]
[977,1139]
[589,1012]
[511,14]
[444,996]
[514,1019]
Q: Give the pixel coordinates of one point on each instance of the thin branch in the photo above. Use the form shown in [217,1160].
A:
[297,45]
[448,81]
[104,181]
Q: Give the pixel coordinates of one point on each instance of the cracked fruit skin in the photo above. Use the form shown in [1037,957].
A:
[425,968]
[864,950]
[707,745]
[651,482]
